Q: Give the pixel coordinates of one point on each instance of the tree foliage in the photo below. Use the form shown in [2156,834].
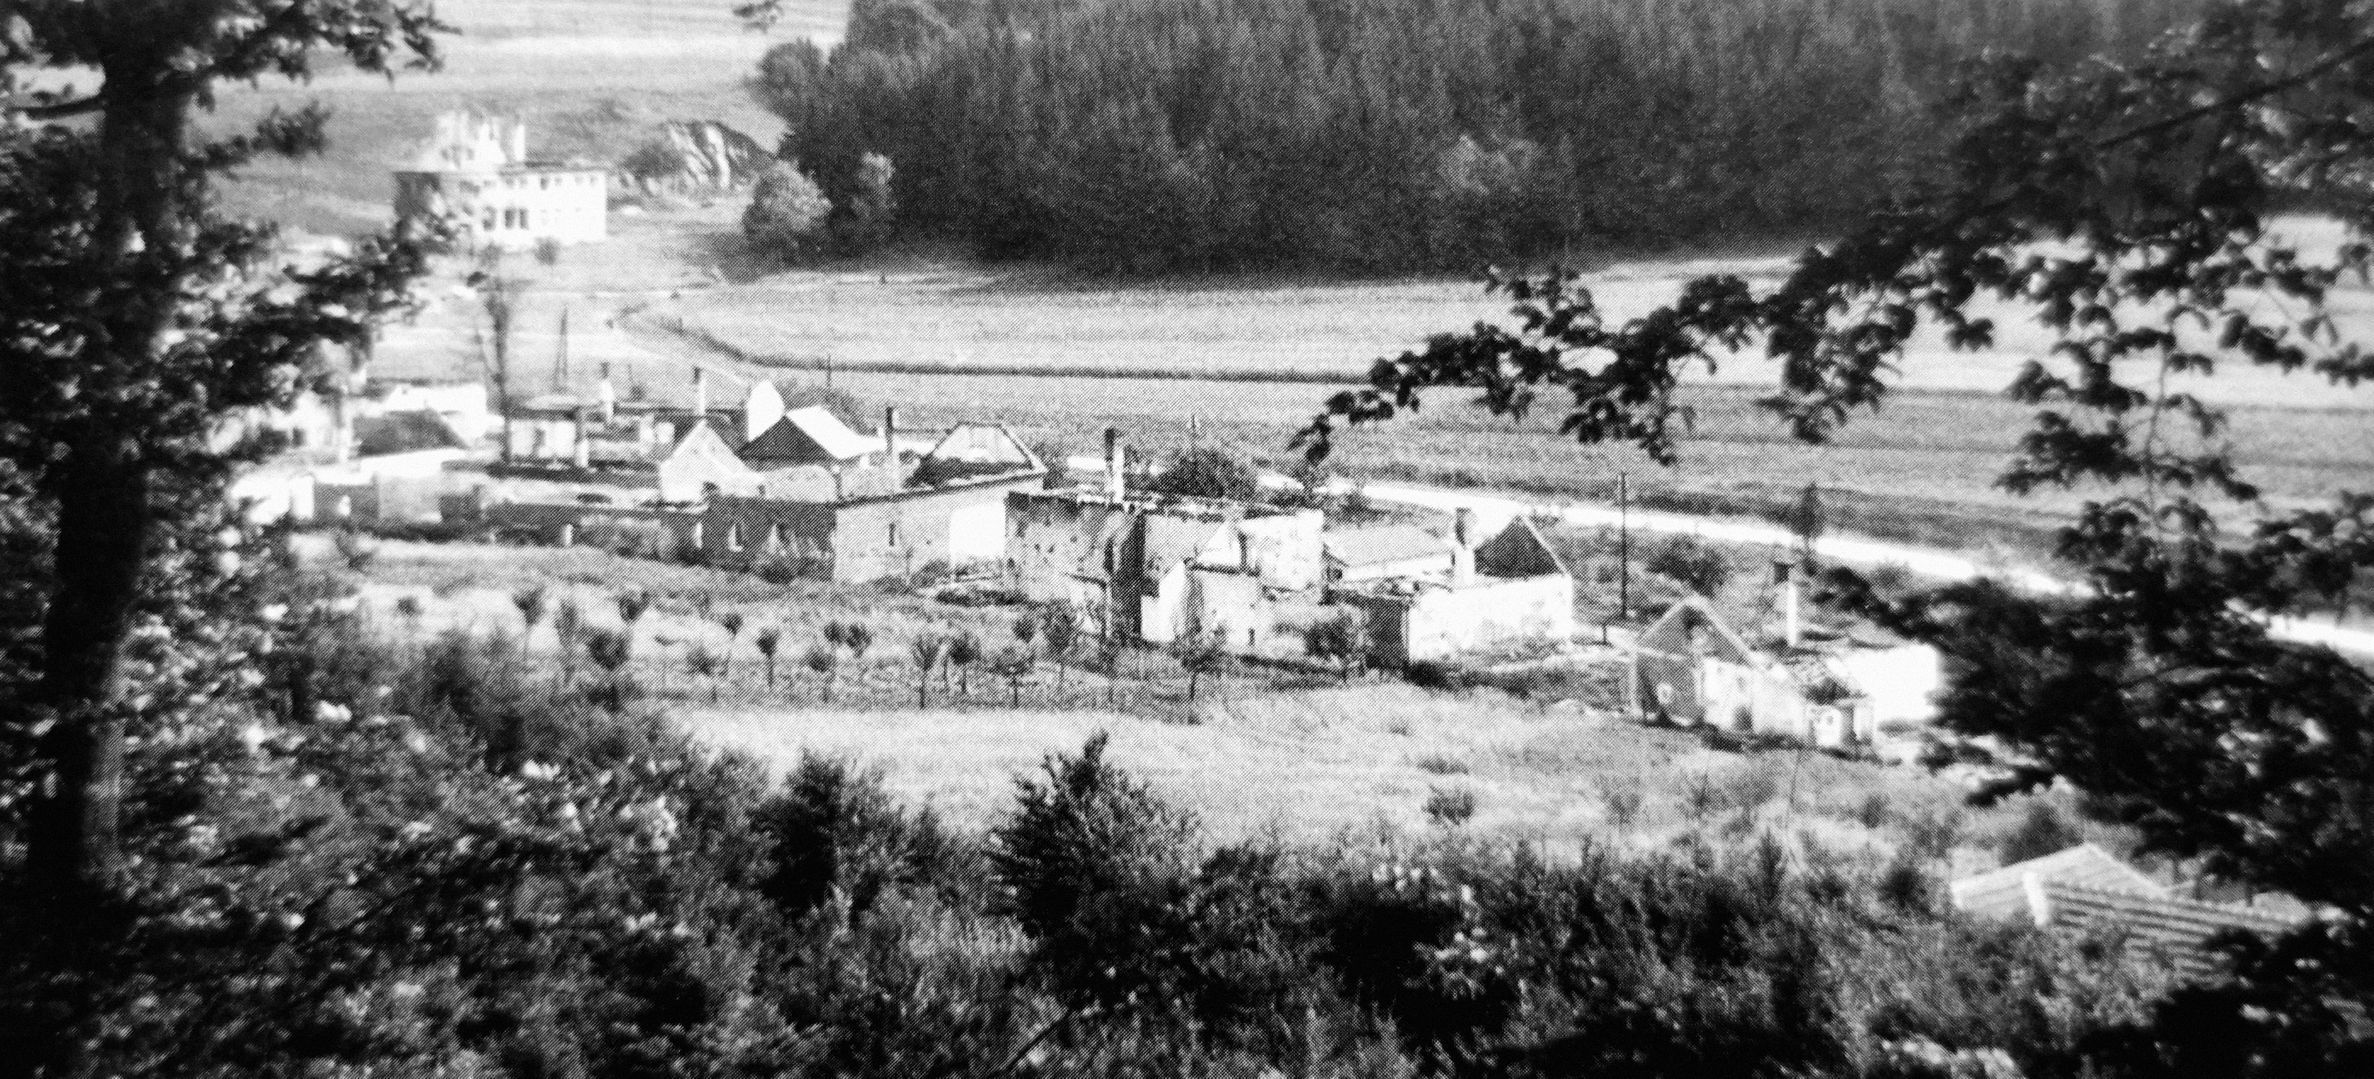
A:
[1207,472]
[138,322]
[1199,135]
[2129,209]
[786,217]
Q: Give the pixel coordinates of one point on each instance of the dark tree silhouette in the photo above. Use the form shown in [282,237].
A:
[137,320]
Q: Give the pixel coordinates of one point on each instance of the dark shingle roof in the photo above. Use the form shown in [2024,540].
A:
[2175,931]
[403,432]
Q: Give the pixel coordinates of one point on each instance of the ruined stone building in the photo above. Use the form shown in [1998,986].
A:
[1827,685]
[1156,570]
[477,169]
[1506,589]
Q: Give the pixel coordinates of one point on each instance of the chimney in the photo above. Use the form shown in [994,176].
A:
[1463,545]
[1114,488]
[1784,573]
[517,150]
[584,449]
[607,396]
[890,445]
[700,392]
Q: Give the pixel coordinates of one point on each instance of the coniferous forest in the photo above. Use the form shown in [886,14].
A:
[1395,135]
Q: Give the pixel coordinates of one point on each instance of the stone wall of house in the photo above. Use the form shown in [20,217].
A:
[1285,549]
[869,538]
[1434,623]
[1054,543]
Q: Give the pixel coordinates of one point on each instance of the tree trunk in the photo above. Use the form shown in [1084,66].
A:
[104,520]
[102,485]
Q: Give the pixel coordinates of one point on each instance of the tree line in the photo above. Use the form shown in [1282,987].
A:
[1386,135]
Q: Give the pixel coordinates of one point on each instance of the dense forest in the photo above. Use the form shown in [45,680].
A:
[1383,135]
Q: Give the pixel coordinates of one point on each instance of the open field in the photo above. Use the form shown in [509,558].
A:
[1360,763]
[1258,751]
[949,315]
[1926,455]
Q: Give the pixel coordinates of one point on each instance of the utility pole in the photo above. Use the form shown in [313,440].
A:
[560,368]
[1623,547]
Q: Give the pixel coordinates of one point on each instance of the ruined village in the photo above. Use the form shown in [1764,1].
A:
[1188,606]
[1236,539]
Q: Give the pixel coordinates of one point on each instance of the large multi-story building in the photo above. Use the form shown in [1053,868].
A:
[477,169]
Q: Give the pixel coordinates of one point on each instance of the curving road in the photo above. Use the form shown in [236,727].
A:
[1936,563]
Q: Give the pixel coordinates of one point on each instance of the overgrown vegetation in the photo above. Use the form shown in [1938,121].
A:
[1386,135]
[388,859]
[2124,210]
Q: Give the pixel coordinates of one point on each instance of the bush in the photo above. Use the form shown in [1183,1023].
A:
[1082,831]
[1692,564]
[1451,806]
[838,837]
[787,213]
[1207,472]
[2041,831]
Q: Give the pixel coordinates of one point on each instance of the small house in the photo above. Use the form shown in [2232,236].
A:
[1508,589]
[1822,685]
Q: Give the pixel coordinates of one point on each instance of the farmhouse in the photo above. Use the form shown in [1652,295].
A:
[1509,588]
[476,170]
[1827,687]
[944,515]
[711,501]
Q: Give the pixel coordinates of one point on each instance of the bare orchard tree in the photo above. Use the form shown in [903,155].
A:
[926,650]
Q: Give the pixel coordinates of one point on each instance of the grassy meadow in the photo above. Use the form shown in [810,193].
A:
[1258,751]
[1330,764]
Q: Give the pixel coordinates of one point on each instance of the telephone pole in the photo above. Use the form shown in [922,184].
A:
[1623,547]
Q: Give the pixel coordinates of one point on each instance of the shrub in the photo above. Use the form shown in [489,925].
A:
[1451,806]
[786,216]
[1624,801]
[837,836]
[1692,564]
[1207,472]
[1083,829]
[2041,831]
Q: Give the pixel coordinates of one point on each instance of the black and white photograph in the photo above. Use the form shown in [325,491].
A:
[1187,539]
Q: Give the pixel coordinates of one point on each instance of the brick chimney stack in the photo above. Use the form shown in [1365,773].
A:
[1114,454]
[1463,545]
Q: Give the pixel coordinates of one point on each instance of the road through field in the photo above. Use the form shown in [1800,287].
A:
[1495,508]
[1929,562]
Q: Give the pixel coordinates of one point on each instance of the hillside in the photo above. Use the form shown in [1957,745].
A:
[591,76]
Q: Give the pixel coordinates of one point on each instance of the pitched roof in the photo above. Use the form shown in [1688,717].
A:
[403,432]
[1518,551]
[2176,931]
[1381,544]
[2003,892]
[983,444]
[1670,632]
[809,435]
